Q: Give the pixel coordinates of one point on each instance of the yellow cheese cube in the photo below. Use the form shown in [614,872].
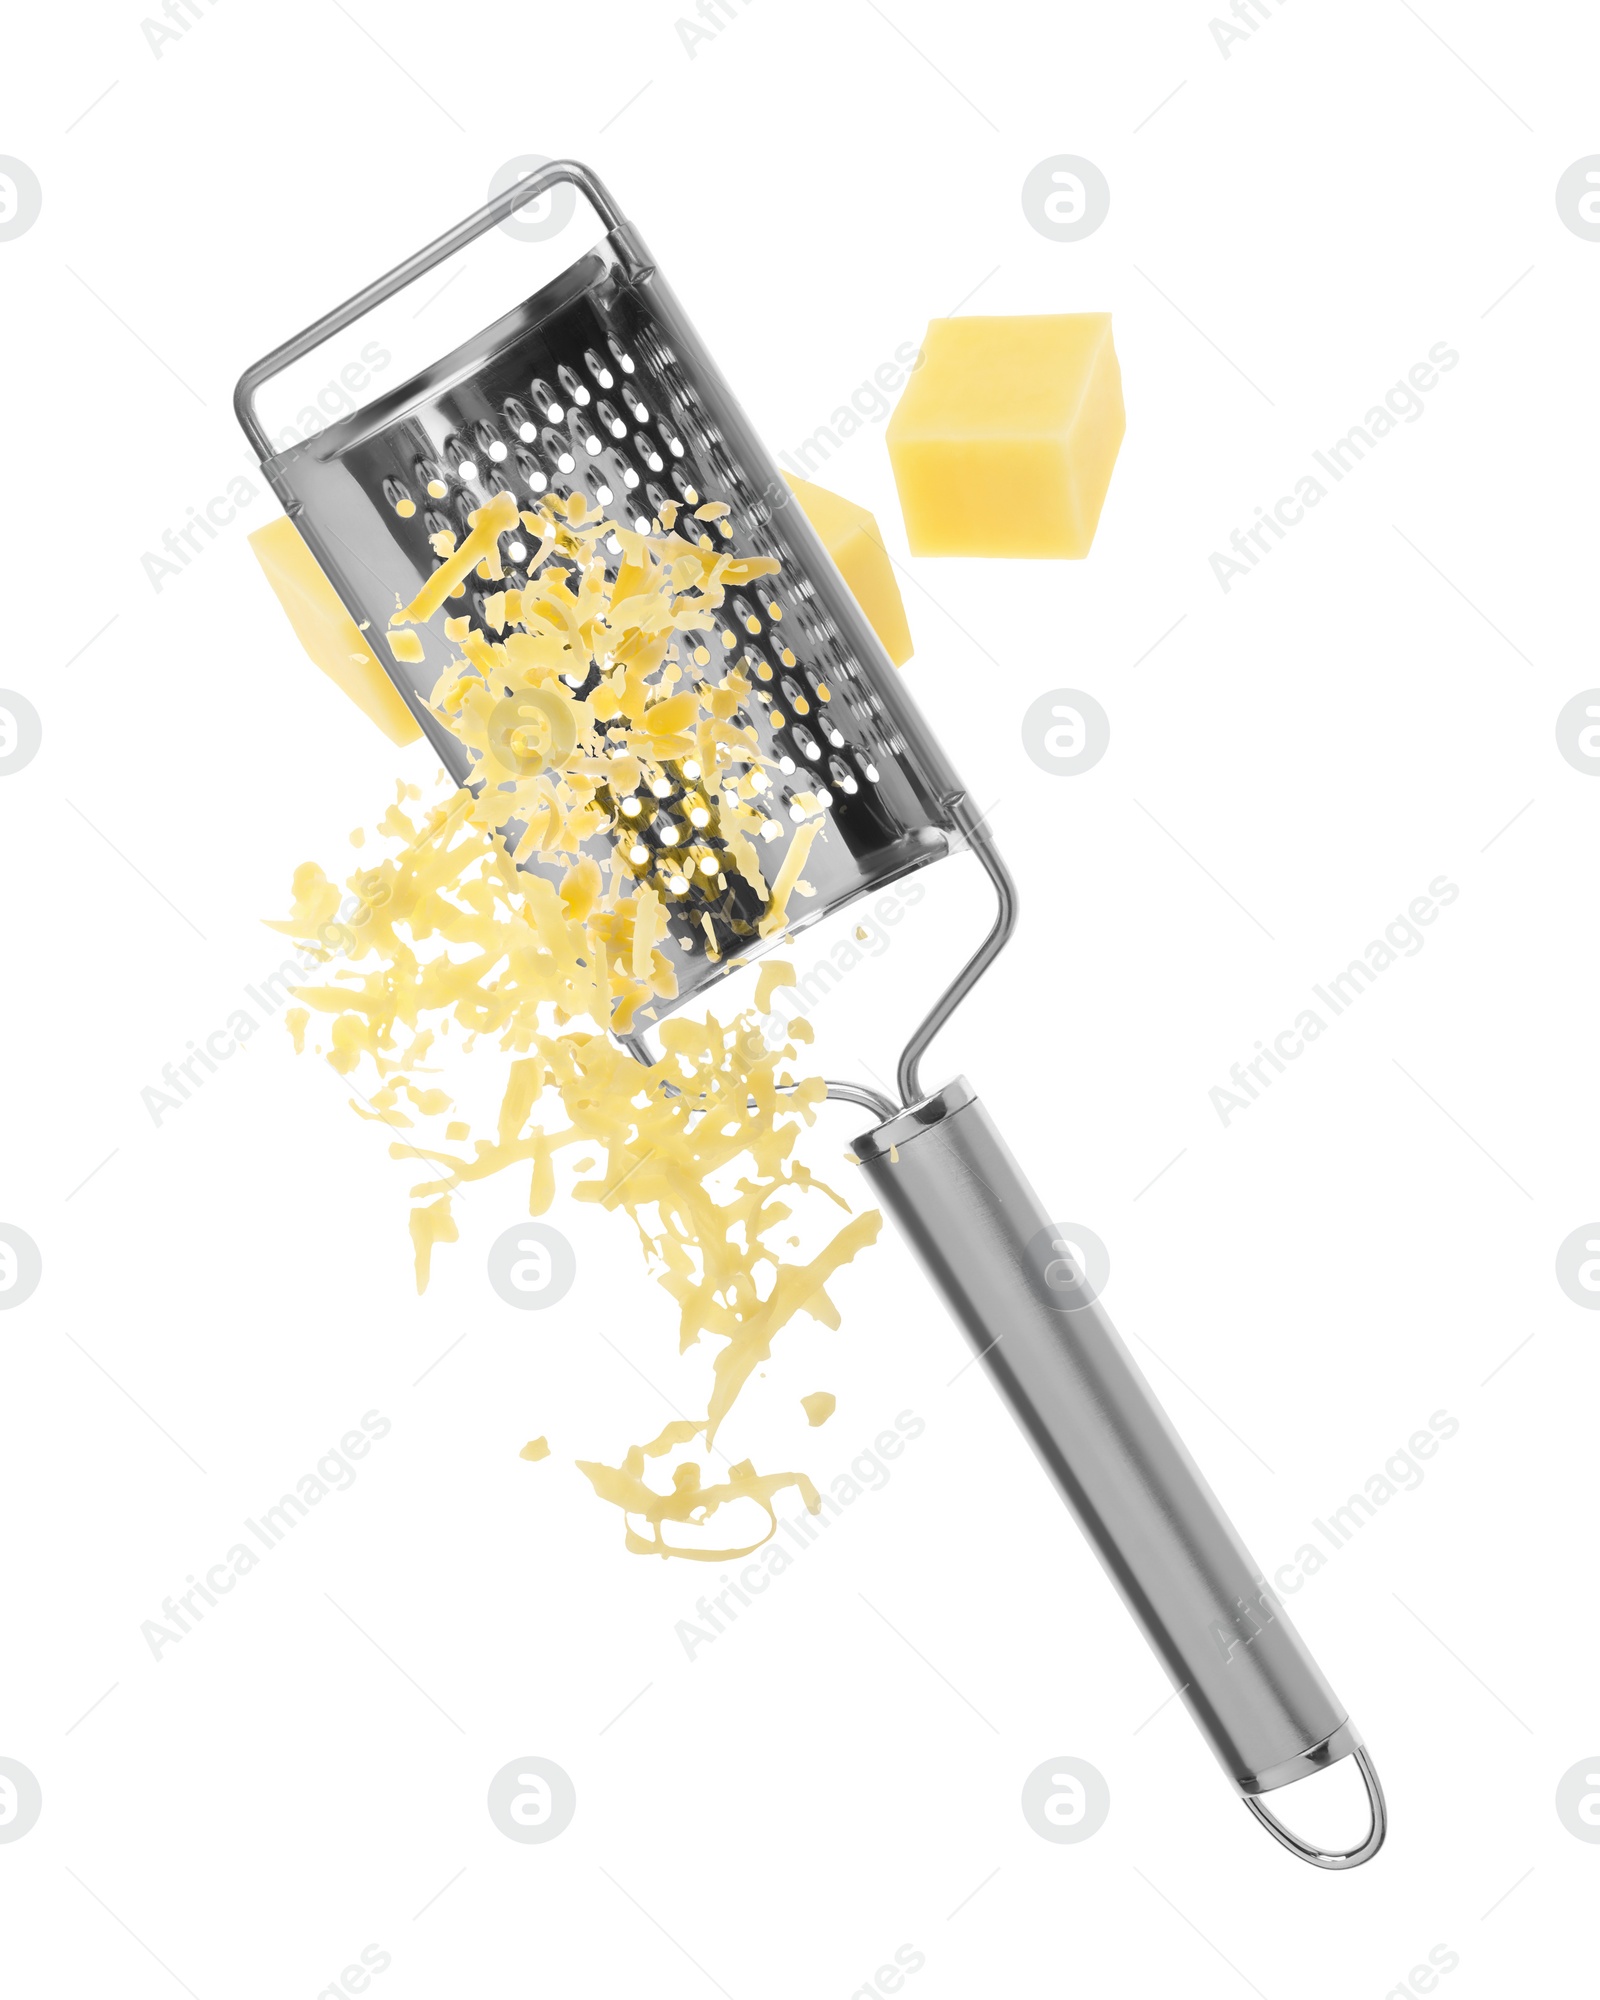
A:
[850,535]
[1004,438]
[327,631]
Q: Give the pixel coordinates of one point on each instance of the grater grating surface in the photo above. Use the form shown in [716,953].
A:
[597,384]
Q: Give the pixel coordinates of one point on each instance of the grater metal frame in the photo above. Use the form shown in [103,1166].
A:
[916,796]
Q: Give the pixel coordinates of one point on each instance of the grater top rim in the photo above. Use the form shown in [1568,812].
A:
[496,210]
[465,360]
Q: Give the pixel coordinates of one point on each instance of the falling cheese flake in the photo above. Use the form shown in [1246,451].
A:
[788,878]
[774,973]
[689,1501]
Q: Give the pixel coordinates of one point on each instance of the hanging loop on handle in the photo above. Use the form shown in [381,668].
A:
[1321,1857]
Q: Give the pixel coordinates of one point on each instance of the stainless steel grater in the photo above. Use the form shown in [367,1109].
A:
[598,383]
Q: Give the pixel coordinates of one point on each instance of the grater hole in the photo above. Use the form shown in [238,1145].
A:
[531,471]
[806,743]
[576,392]
[598,369]
[609,419]
[430,476]
[546,399]
[458,455]
[623,359]
[520,419]
[399,499]
[669,437]
[842,776]
[647,452]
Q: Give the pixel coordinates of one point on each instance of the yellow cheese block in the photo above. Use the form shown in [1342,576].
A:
[327,631]
[1004,438]
[850,535]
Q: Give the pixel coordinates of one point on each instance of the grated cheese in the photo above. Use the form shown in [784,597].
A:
[449,942]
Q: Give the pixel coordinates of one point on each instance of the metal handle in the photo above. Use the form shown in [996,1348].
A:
[947,1177]
[518,195]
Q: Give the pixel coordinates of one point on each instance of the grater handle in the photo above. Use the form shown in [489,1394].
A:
[518,195]
[979,1230]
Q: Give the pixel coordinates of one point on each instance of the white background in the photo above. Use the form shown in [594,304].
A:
[1291,228]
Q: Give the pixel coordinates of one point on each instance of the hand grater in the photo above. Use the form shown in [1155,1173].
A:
[598,383]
